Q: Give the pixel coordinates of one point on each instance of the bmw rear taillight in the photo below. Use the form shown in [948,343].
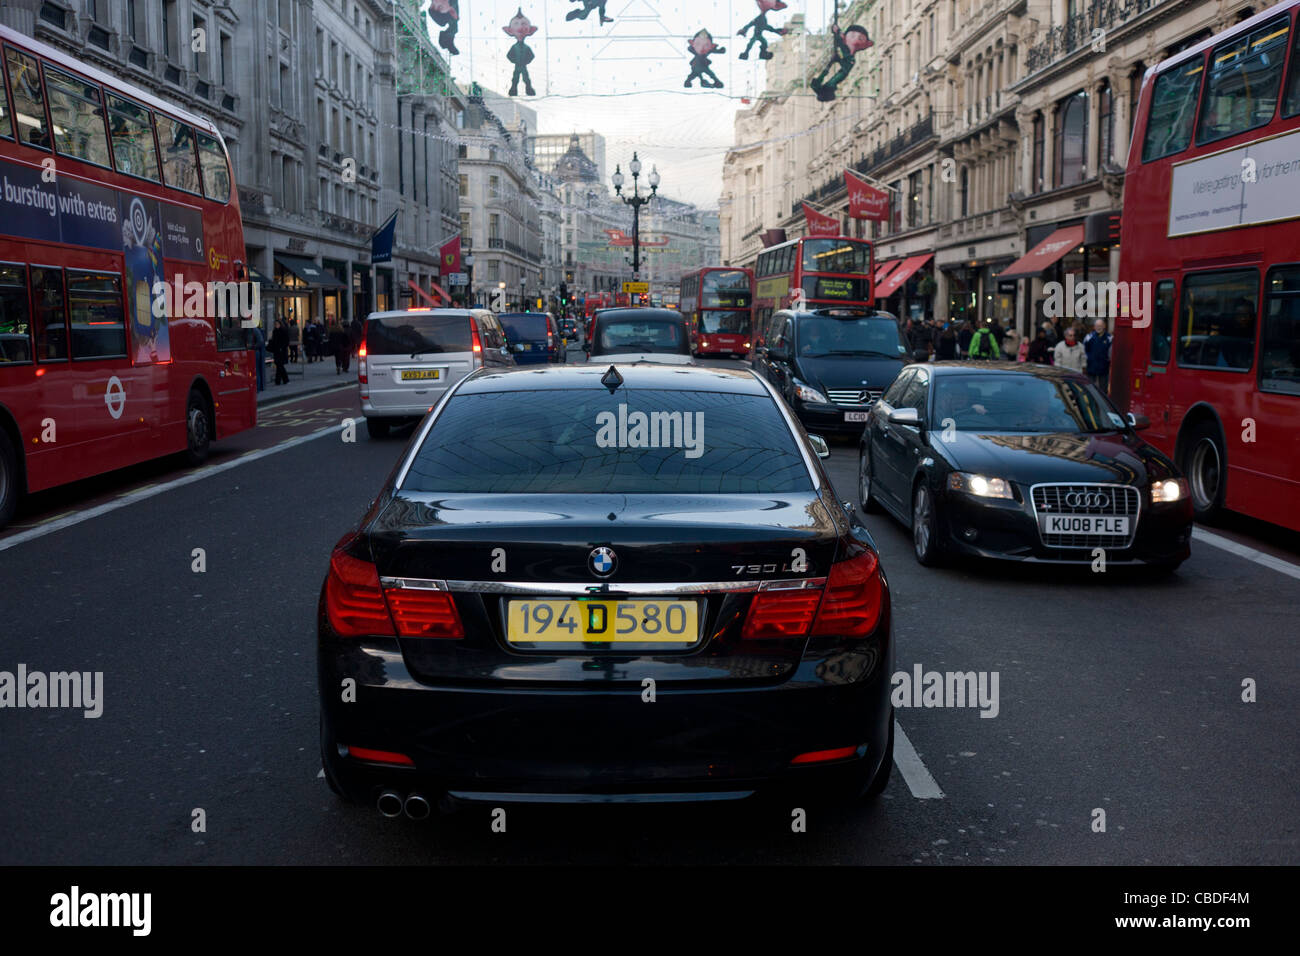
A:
[418,612]
[781,612]
[851,606]
[354,600]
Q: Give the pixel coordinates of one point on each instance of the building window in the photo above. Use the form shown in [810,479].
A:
[493,270]
[169,24]
[464,185]
[1040,143]
[1105,125]
[494,226]
[1072,139]
[964,198]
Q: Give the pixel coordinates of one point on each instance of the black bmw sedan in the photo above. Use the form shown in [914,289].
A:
[1021,462]
[603,584]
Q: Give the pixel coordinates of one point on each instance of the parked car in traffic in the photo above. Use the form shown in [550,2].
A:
[831,364]
[631,333]
[1020,462]
[536,555]
[533,337]
[408,358]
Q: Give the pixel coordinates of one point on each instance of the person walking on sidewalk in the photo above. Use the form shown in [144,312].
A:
[1068,353]
[983,345]
[1097,346]
[280,352]
[341,346]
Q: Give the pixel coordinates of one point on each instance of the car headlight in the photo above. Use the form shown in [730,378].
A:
[807,394]
[980,486]
[1170,489]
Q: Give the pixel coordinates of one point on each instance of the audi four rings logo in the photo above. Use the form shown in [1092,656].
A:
[602,562]
[1088,499]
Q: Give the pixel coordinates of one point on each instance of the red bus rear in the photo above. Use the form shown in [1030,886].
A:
[108,194]
[1211,203]
[718,304]
[812,272]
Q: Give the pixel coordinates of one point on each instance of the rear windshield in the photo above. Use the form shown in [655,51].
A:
[523,327]
[617,334]
[416,333]
[592,442]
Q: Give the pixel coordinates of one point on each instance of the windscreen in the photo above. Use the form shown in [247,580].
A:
[592,442]
[524,326]
[819,336]
[713,322]
[726,290]
[415,333]
[836,255]
[1021,403]
[617,334]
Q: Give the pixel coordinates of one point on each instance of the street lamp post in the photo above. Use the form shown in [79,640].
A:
[469,280]
[636,201]
[523,303]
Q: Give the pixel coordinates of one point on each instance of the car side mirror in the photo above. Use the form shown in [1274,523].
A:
[905,416]
[1138,422]
[819,445]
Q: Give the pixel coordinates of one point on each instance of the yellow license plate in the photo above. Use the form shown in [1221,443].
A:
[419,374]
[569,621]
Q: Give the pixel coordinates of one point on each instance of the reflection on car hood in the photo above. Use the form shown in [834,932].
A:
[849,371]
[1114,456]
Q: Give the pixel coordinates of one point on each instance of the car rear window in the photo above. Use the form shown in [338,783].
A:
[416,333]
[592,442]
[617,335]
[524,328]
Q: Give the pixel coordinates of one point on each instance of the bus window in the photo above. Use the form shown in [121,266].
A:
[836,255]
[216,173]
[1173,111]
[15,315]
[29,101]
[132,132]
[1291,105]
[1162,325]
[76,117]
[51,319]
[1217,326]
[97,323]
[1245,75]
[6,129]
[1279,364]
[180,171]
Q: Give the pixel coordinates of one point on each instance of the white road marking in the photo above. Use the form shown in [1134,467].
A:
[320,774]
[908,761]
[297,398]
[141,494]
[1243,551]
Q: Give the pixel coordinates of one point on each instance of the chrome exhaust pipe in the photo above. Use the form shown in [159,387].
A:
[417,808]
[389,804]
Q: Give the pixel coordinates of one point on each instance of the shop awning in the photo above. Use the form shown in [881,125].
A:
[309,272]
[883,269]
[1045,253]
[255,276]
[902,274]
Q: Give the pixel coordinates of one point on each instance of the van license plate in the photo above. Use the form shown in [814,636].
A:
[420,374]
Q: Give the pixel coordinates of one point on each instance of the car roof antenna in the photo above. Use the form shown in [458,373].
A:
[611,379]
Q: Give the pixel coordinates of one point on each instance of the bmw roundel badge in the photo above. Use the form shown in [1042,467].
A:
[602,562]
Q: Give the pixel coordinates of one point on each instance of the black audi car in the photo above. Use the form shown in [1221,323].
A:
[603,584]
[1022,462]
[831,364]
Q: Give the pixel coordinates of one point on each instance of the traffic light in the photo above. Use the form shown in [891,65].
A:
[564,294]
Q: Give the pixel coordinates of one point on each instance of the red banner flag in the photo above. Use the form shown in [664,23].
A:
[866,201]
[820,224]
[449,257]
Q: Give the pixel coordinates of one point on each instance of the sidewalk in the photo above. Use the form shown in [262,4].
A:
[306,379]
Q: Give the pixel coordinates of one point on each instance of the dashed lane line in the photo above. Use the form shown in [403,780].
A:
[1244,551]
[908,761]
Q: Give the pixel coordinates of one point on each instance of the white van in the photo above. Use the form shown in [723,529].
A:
[410,357]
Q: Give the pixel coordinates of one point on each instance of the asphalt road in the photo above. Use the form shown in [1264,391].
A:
[1117,692]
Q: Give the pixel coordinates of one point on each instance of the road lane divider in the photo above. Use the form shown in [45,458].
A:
[52,525]
[918,779]
[1247,552]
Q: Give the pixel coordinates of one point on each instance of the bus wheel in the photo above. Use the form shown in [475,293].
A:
[197,430]
[9,484]
[1205,465]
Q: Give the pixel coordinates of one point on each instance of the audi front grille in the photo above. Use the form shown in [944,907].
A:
[1087,499]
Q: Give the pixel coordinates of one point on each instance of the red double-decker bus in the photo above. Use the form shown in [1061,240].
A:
[718,303]
[1211,223]
[812,272]
[105,192]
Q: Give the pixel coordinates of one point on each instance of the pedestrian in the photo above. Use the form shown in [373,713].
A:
[1068,353]
[945,346]
[919,340]
[995,326]
[341,346]
[983,345]
[964,335]
[295,337]
[1039,352]
[280,352]
[1010,344]
[259,343]
[1097,345]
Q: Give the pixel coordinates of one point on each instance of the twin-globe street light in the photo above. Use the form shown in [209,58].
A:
[636,201]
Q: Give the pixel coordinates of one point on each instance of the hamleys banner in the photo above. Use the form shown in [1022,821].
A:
[820,224]
[865,201]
